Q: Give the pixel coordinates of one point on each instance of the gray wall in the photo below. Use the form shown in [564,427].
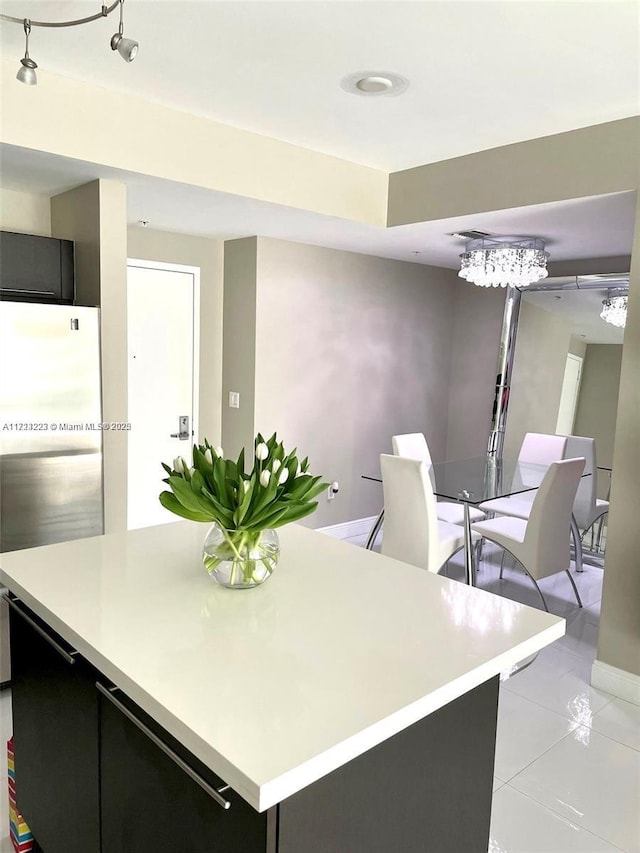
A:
[589,161]
[239,343]
[542,345]
[350,349]
[474,354]
[619,640]
[598,402]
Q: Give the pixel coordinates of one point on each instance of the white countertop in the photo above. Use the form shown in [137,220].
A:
[276,686]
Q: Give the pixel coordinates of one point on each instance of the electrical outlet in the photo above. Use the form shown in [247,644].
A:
[234,399]
[333,490]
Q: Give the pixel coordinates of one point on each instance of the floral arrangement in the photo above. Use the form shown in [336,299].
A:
[278,490]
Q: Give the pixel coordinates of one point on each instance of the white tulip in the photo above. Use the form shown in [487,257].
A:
[265,476]
[245,485]
[178,465]
[284,474]
[192,471]
[262,451]
[219,452]
[276,465]
[208,456]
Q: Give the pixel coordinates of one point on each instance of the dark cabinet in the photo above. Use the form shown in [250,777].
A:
[96,774]
[36,269]
[55,722]
[157,798]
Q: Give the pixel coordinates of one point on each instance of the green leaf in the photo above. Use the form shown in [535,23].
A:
[302,485]
[240,462]
[231,472]
[245,502]
[220,486]
[296,515]
[170,502]
[269,520]
[182,491]
[199,461]
[315,491]
[265,496]
[222,513]
[197,482]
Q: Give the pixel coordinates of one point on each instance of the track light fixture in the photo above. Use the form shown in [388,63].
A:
[127,48]
[27,73]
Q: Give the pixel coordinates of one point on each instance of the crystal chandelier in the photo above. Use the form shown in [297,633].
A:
[614,309]
[504,261]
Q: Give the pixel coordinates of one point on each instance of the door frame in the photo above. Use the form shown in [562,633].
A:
[195,367]
[580,360]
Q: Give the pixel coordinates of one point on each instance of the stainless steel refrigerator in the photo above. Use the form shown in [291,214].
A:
[50,425]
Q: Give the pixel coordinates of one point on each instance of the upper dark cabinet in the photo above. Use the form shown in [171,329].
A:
[36,269]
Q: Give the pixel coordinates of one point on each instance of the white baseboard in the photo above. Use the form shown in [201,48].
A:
[619,682]
[347,529]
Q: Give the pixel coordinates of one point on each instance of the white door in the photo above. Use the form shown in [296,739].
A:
[569,395]
[162,324]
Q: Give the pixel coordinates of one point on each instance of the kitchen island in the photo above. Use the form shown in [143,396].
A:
[348,705]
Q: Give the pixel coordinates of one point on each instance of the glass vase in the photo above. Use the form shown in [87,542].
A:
[238,559]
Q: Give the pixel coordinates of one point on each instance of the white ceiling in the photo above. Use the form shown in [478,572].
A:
[482,73]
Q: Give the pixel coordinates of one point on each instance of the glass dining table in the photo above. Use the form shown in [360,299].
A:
[474,481]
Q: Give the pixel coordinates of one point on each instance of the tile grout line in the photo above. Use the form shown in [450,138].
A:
[546,805]
[533,760]
[564,818]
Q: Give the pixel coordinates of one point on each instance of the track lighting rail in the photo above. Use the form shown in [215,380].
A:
[106,10]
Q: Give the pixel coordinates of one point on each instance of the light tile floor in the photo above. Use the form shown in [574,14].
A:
[567,773]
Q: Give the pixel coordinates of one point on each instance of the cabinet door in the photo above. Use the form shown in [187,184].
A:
[35,268]
[150,803]
[55,724]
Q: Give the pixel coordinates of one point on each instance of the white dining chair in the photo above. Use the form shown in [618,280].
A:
[587,508]
[540,543]
[538,449]
[412,531]
[413,445]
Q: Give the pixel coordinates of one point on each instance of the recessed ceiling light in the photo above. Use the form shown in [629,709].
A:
[372,83]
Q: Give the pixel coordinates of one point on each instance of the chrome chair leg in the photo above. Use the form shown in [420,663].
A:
[478,547]
[502,563]
[575,588]
[535,583]
[599,535]
[375,530]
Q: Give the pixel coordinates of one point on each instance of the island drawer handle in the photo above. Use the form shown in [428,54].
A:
[63,652]
[214,793]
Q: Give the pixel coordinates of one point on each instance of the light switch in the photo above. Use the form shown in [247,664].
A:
[234,399]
